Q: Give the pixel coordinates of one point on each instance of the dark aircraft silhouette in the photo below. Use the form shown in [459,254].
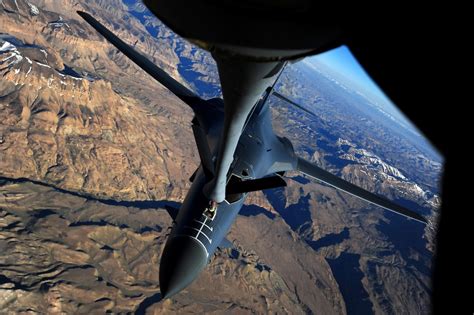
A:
[238,148]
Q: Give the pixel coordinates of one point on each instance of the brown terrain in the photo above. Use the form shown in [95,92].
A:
[66,253]
[120,136]
[91,149]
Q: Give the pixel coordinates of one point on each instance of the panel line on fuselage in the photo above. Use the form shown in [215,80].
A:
[204,223]
[199,232]
[196,238]
[199,241]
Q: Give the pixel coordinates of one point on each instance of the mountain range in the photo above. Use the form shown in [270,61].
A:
[92,150]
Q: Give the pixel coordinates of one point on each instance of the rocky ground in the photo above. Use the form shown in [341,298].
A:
[92,149]
[91,135]
[58,124]
[65,253]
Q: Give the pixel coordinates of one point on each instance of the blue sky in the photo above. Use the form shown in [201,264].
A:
[341,61]
[343,64]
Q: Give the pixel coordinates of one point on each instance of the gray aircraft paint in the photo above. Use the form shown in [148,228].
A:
[259,153]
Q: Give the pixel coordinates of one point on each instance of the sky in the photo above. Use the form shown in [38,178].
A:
[345,65]
[341,61]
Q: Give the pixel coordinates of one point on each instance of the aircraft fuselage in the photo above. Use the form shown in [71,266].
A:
[195,236]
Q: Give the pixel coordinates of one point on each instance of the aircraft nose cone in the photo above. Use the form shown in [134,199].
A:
[182,260]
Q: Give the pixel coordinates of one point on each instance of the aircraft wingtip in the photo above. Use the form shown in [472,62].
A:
[81,13]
